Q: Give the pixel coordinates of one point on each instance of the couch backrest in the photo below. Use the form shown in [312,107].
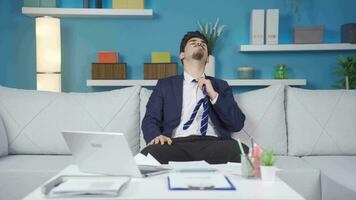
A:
[34,120]
[3,139]
[321,122]
[265,117]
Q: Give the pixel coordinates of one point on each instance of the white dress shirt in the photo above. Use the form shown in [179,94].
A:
[191,95]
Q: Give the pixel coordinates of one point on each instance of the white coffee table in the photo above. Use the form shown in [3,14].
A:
[155,188]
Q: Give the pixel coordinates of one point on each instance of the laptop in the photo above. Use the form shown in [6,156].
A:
[106,153]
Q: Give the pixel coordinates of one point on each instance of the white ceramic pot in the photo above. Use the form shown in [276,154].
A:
[210,66]
[268,173]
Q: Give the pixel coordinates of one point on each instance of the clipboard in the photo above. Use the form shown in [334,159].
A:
[229,186]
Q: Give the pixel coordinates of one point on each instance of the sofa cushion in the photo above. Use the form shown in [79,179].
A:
[34,119]
[300,176]
[16,185]
[144,97]
[321,122]
[21,174]
[34,163]
[338,176]
[3,139]
[265,118]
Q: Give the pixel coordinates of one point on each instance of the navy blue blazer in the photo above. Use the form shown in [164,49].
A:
[164,109]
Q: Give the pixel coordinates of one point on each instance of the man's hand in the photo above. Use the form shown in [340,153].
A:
[209,87]
[161,139]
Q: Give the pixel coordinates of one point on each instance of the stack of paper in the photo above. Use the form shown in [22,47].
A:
[90,187]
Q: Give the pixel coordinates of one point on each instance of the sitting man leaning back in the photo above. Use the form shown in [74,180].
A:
[190,117]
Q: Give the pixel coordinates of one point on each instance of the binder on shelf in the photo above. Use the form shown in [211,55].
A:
[85,3]
[272,26]
[98,4]
[257,26]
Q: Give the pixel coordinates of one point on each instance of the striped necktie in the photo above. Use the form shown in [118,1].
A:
[204,119]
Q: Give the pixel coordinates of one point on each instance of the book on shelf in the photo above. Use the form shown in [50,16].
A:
[257,26]
[272,26]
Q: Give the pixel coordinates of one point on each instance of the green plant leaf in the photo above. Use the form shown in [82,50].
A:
[212,31]
[267,158]
[346,67]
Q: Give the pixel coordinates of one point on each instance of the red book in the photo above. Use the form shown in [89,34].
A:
[108,57]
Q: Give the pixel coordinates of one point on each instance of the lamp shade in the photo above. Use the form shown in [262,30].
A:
[48,53]
[49,82]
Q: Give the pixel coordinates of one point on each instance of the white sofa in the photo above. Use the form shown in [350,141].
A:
[313,132]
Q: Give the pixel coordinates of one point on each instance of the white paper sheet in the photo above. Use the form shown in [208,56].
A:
[206,180]
[146,160]
[192,166]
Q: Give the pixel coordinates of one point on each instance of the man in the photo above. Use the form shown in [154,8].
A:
[191,116]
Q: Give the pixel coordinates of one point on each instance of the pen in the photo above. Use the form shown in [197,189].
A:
[209,187]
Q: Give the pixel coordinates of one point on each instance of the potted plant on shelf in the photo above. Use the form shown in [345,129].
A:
[212,32]
[268,170]
[347,70]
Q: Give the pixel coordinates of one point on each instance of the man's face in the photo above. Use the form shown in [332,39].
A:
[196,49]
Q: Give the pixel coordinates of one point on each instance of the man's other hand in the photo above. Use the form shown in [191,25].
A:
[161,139]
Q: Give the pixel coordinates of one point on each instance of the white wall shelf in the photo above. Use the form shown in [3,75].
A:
[298,47]
[86,12]
[239,82]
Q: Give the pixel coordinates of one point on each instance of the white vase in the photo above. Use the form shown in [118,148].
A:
[210,66]
[268,173]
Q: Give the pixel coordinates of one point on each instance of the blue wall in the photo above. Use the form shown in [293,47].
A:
[136,38]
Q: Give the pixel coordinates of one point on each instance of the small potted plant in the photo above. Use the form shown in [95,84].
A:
[268,170]
[212,32]
[347,70]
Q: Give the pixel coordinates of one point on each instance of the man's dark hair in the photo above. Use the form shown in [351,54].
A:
[190,35]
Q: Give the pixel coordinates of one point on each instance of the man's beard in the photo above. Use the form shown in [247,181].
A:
[198,55]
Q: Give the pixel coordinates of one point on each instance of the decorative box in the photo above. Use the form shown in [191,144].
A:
[109,71]
[128,4]
[246,72]
[308,35]
[348,33]
[154,71]
[108,57]
[160,57]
